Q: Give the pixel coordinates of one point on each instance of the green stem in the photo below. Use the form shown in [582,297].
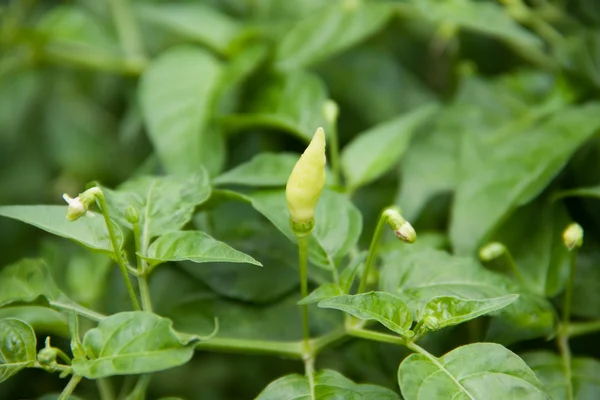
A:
[80,310]
[334,154]
[127,29]
[142,270]
[68,390]
[105,389]
[569,291]
[565,352]
[582,328]
[117,250]
[244,346]
[514,269]
[328,339]
[139,391]
[373,250]
[563,333]
[303,266]
[377,336]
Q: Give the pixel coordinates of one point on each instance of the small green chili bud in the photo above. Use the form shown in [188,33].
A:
[401,227]
[491,251]
[132,215]
[573,236]
[80,205]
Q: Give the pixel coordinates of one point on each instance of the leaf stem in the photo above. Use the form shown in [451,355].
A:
[117,250]
[105,389]
[246,346]
[127,29]
[334,153]
[582,328]
[80,310]
[139,391]
[563,331]
[303,266]
[373,250]
[68,390]
[142,269]
[377,336]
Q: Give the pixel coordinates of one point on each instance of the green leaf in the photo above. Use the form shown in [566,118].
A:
[327,385]
[383,307]
[265,169]
[175,93]
[549,369]
[89,231]
[330,31]
[194,246]
[195,22]
[337,223]
[17,347]
[323,292]
[451,310]
[372,153]
[523,166]
[165,203]
[41,319]
[130,343]
[83,269]
[292,102]
[486,371]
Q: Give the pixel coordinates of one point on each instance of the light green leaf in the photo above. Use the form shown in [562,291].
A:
[450,310]
[383,307]
[323,292]
[523,165]
[130,343]
[192,21]
[175,93]
[549,369]
[337,223]
[372,153]
[194,246]
[17,347]
[165,203]
[292,102]
[327,385]
[89,231]
[330,31]
[485,371]
[265,169]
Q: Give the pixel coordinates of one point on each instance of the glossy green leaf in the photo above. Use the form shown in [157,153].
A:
[196,22]
[523,165]
[337,223]
[549,369]
[330,31]
[17,347]
[372,153]
[477,371]
[449,310]
[194,246]
[327,385]
[292,102]
[175,93]
[131,343]
[265,169]
[165,203]
[89,231]
[323,292]
[383,307]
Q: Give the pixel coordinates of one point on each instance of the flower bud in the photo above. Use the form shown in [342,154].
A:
[491,251]
[401,227]
[431,322]
[331,111]
[573,236]
[47,356]
[306,182]
[132,215]
[80,205]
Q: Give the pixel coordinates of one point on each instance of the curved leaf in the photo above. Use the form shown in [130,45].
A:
[175,93]
[383,307]
[194,246]
[17,347]
[485,371]
[131,343]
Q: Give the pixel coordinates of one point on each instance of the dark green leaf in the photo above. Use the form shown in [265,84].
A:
[194,246]
[175,92]
[131,343]
[484,371]
[383,307]
[17,347]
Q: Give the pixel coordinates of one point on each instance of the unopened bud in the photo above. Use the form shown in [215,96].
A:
[401,227]
[431,323]
[331,111]
[80,205]
[573,236]
[47,356]
[491,251]
[132,215]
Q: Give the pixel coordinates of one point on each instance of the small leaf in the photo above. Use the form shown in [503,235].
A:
[485,371]
[451,310]
[175,93]
[265,169]
[89,231]
[329,31]
[17,347]
[383,307]
[130,343]
[323,292]
[327,385]
[194,246]
[372,153]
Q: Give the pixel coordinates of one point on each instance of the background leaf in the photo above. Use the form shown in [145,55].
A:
[17,347]
[265,169]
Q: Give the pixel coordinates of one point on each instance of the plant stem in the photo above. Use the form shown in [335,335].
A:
[139,391]
[68,390]
[582,328]
[117,250]
[105,389]
[373,250]
[334,154]
[245,346]
[515,270]
[142,270]
[328,339]
[80,310]
[127,29]
[377,336]
[303,266]
[563,332]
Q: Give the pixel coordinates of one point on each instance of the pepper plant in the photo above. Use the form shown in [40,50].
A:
[321,199]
